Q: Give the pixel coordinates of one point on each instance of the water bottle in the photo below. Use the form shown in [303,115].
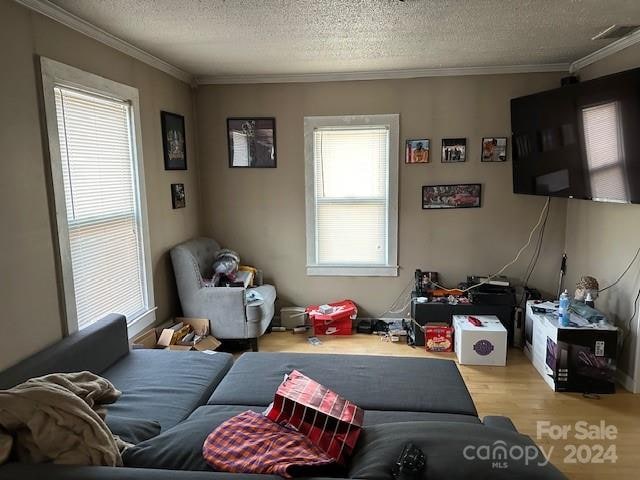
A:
[563,309]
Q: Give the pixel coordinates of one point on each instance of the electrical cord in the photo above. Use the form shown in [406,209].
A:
[623,273]
[401,295]
[633,315]
[517,257]
[542,219]
[534,258]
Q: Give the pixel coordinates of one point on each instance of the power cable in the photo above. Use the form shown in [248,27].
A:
[630,321]
[516,258]
[623,273]
[534,258]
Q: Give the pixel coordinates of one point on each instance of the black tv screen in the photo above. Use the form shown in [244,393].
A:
[580,140]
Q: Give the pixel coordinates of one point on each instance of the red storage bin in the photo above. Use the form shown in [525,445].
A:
[339,322]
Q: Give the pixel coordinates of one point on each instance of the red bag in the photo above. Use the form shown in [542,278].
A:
[324,417]
[337,322]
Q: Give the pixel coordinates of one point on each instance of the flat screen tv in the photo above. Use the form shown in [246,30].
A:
[580,140]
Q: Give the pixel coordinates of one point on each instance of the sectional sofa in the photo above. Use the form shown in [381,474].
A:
[173,399]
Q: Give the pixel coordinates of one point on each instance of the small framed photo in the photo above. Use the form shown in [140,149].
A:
[494,149]
[464,195]
[178,198]
[454,150]
[174,144]
[252,142]
[417,151]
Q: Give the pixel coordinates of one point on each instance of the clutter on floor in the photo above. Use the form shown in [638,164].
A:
[185,334]
[480,340]
[580,357]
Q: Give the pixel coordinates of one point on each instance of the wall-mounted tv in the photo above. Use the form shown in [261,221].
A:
[580,140]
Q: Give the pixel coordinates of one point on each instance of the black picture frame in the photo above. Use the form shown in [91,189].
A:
[174,141]
[414,145]
[454,150]
[493,149]
[259,149]
[446,196]
[178,197]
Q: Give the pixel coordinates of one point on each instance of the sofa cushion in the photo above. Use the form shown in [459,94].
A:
[180,447]
[377,417]
[132,430]
[371,382]
[451,451]
[164,385]
[48,471]
[94,348]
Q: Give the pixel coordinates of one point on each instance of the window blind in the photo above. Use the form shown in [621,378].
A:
[602,135]
[99,176]
[351,169]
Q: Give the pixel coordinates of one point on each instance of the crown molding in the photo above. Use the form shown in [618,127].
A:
[379,75]
[606,51]
[60,15]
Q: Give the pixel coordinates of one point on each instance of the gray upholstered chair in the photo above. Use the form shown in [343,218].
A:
[229,313]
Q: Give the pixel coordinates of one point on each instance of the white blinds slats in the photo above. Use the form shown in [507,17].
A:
[605,157]
[102,212]
[351,168]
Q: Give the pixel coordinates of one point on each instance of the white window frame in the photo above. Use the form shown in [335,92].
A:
[56,74]
[392,122]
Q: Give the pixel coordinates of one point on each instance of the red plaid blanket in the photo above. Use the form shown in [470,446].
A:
[251,443]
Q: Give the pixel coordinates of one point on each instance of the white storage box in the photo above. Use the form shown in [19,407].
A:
[485,345]
[292,317]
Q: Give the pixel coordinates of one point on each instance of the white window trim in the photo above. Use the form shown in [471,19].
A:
[392,121]
[56,74]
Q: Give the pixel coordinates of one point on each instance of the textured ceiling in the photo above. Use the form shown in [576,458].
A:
[267,37]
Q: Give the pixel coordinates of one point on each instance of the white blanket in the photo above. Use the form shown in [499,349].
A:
[59,418]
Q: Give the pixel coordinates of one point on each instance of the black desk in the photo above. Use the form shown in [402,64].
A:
[434,312]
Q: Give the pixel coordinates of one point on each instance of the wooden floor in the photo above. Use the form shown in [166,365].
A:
[516,391]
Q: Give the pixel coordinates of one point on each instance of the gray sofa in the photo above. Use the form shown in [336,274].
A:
[229,314]
[172,400]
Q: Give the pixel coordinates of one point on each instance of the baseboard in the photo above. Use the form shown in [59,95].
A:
[626,381]
[384,319]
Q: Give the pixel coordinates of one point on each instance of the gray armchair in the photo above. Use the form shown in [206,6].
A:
[229,313]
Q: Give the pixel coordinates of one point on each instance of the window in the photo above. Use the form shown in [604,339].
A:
[97,181]
[352,195]
[605,155]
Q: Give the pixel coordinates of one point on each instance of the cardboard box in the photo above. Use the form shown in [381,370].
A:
[438,337]
[169,337]
[485,345]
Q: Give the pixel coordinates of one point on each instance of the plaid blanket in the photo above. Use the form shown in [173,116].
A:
[251,443]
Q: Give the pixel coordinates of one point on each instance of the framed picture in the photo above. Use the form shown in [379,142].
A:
[464,195]
[252,142]
[178,198]
[417,151]
[174,144]
[454,150]
[494,149]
